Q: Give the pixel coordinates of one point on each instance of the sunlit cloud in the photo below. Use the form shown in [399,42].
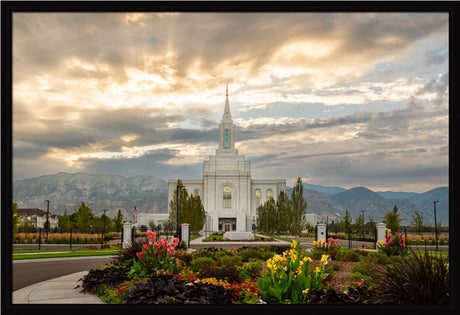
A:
[314,95]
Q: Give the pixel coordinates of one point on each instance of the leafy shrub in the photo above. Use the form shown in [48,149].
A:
[346,254]
[129,254]
[158,255]
[229,261]
[278,249]
[394,245]
[111,275]
[288,278]
[251,270]
[200,263]
[248,253]
[230,274]
[165,289]
[365,279]
[415,279]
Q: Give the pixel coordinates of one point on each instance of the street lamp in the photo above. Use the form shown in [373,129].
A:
[206,226]
[47,219]
[103,232]
[177,211]
[363,222]
[435,225]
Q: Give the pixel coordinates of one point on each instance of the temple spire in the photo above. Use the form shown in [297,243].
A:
[227,116]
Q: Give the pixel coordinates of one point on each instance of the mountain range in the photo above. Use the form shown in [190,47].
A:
[150,195]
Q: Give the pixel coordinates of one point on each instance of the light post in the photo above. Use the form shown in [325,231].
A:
[253,224]
[206,226]
[47,219]
[103,232]
[177,211]
[435,225]
[362,211]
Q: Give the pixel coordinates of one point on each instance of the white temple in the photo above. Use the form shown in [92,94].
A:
[230,196]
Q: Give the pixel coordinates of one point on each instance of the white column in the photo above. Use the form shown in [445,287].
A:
[127,235]
[185,233]
[381,232]
[321,231]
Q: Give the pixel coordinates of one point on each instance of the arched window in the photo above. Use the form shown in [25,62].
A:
[257,200]
[227,196]
[269,194]
[226,145]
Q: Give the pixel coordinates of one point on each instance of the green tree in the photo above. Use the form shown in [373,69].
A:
[417,221]
[194,213]
[284,216]
[183,197]
[392,219]
[266,221]
[347,221]
[64,222]
[298,206]
[26,227]
[359,223]
[118,221]
[83,218]
[16,217]
[152,225]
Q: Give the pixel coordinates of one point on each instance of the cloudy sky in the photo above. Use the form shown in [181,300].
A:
[339,99]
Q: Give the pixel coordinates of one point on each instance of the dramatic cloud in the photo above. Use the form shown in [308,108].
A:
[343,99]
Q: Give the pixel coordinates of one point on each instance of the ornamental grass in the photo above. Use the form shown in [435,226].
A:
[415,279]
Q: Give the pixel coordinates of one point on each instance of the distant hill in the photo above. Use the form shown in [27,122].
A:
[100,192]
[425,202]
[397,195]
[361,198]
[149,194]
[324,189]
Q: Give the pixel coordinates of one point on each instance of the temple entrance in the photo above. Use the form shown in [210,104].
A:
[227,224]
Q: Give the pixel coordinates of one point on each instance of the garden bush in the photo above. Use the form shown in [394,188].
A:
[200,263]
[346,254]
[247,253]
[230,274]
[165,289]
[251,270]
[111,275]
[414,279]
[229,261]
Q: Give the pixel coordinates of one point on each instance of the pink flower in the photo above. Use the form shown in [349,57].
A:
[175,241]
[151,235]
[145,246]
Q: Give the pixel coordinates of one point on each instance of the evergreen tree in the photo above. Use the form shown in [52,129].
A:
[392,220]
[64,222]
[83,218]
[16,216]
[267,217]
[284,216]
[417,221]
[346,221]
[183,197]
[194,213]
[298,206]
[118,221]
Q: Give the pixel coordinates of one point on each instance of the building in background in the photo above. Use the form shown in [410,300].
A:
[230,196]
[38,218]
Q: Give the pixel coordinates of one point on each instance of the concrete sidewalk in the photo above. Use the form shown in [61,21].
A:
[55,291]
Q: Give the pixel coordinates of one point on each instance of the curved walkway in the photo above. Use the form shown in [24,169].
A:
[60,290]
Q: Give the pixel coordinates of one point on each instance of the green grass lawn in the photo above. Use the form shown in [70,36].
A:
[51,253]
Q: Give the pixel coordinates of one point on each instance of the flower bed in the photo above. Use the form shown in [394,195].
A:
[159,272]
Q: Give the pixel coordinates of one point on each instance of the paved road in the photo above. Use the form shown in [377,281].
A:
[28,272]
